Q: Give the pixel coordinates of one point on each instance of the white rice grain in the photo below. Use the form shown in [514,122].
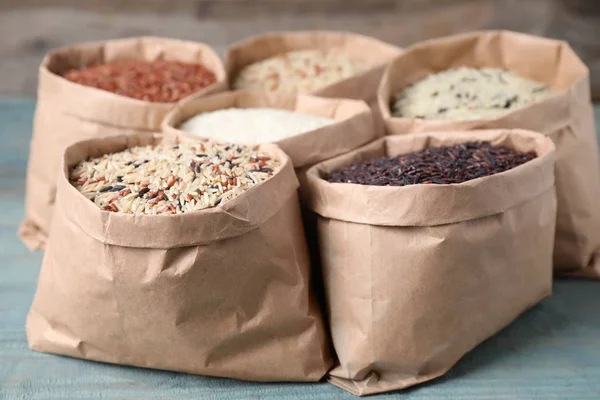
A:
[252,125]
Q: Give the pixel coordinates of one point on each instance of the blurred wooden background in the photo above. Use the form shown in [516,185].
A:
[29,28]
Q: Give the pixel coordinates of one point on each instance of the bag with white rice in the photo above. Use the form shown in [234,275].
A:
[307,128]
[68,112]
[202,248]
[499,79]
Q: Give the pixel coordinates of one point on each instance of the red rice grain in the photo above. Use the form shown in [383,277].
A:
[155,81]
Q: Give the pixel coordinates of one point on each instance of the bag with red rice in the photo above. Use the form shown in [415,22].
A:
[559,107]
[105,89]
[417,275]
[188,258]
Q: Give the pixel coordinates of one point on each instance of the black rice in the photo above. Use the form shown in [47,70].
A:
[435,165]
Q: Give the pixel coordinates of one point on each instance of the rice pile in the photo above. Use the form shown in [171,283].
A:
[171,180]
[435,165]
[252,125]
[156,81]
[467,94]
[298,71]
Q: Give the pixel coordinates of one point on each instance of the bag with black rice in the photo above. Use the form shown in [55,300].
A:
[416,276]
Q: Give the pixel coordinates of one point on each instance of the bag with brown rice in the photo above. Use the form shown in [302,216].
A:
[68,112]
[416,276]
[558,105]
[217,286]
[325,63]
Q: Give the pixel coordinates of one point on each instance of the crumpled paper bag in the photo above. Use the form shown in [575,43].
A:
[417,276]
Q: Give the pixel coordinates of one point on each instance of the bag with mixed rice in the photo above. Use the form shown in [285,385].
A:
[416,276]
[566,116]
[68,112]
[221,291]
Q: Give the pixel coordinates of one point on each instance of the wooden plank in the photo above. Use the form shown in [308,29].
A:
[227,7]
[551,352]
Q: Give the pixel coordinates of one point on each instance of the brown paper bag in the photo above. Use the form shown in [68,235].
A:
[567,118]
[353,127]
[375,53]
[221,292]
[417,276]
[68,112]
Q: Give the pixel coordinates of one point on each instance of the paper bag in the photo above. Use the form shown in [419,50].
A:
[566,117]
[352,129]
[373,52]
[221,291]
[417,276]
[68,112]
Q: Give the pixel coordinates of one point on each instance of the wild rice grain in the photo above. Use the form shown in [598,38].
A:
[143,180]
[467,94]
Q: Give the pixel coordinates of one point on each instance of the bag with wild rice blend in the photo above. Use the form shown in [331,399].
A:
[416,276]
[565,116]
[68,112]
[220,291]
[326,63]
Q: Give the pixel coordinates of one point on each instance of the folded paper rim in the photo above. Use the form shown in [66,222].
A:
[235,217]
[415,205]
[352,116]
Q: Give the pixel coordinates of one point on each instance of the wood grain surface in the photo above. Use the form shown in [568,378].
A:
[551,352]
[30,28]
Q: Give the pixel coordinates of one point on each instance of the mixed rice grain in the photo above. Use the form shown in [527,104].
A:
[298,71]
[171,180]
[466,94]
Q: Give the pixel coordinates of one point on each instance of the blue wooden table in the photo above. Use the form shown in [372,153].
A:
[551,352]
